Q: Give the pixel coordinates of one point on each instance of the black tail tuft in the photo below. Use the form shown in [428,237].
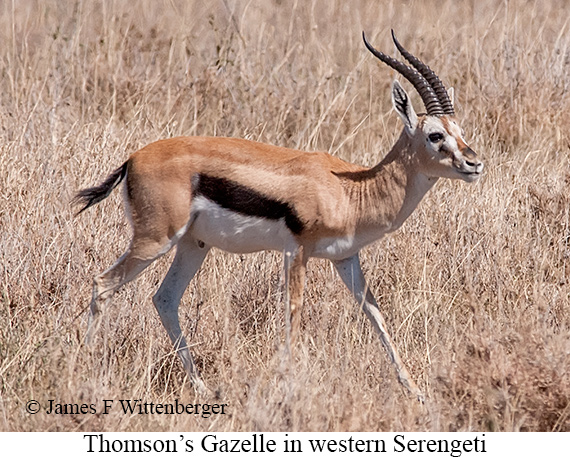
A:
[93,195]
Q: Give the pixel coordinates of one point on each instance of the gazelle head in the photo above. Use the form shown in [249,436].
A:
[437,139]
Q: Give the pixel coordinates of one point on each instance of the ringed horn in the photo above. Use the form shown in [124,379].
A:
[423,78]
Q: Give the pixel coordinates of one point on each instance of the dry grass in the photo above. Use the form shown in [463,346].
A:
[475,286]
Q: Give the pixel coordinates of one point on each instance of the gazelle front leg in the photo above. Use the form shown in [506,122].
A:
[351,273]
[295,261]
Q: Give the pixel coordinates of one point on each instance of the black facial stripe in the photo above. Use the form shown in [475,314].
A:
[241,199]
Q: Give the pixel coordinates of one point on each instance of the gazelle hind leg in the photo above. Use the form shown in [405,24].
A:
[190,254]
[295,263]
[352,276]
[139,256]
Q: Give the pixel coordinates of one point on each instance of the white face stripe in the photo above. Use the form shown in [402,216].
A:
[451,143]
[436,124]
[433,124]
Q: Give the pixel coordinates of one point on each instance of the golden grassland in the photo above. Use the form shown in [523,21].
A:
[475,286]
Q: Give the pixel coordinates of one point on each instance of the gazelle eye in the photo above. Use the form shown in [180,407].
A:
[435,137]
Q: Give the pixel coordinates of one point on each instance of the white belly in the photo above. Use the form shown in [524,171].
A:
[235,232]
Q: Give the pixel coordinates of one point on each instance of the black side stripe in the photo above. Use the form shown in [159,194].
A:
[241,199]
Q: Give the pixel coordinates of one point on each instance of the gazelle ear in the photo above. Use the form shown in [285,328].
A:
[403,106]
[451,94]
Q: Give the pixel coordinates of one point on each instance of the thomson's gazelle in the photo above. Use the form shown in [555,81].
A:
[242,196]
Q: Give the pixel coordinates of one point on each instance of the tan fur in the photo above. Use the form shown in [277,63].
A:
[159,175]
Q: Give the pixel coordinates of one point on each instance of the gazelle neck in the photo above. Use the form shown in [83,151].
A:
[385,195]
